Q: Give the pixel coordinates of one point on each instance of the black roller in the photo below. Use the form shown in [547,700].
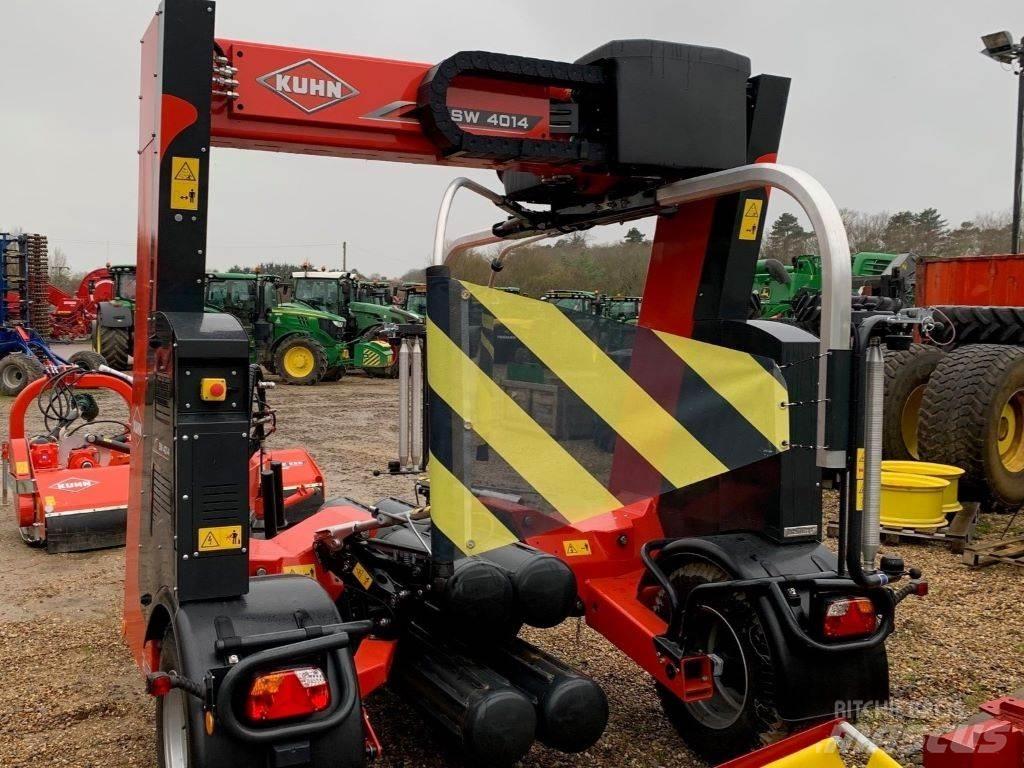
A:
[545,586]
[572,710]
[479,600]
[490,721]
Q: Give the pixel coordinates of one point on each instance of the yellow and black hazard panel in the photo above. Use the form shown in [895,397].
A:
[583,415]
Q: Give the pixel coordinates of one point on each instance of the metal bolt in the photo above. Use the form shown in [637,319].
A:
[183,437]
[178,217]
[470,544]
[189,373]
[244,550]
[195,554]
[467,425]
[233,658]
[195,437]
[184,497]
[261,571]
[188,405]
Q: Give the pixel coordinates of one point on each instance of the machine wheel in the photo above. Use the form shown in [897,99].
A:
[87,359]
[301,360]
[906,375]
[17,370]
[972,416]
[337,373]
[113,344]
[742,714]
[986,325]
[173,731]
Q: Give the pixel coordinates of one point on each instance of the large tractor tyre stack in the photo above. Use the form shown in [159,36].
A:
[17,370]
[300,360]
[972,416]
[983,325]
[906,375]
[114,344]
[742,714]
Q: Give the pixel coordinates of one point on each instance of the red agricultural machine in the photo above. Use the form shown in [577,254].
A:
[73,314]
[674,503]
[69,482]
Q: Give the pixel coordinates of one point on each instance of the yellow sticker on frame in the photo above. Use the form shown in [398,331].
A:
[576,548]
[303,569]
[219,538]
[751,220]
[185,183]
[362,576]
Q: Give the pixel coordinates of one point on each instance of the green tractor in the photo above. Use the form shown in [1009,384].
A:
[114,327]
[414,298]
[625,309]
[302,344]
[793,291]
[377,292]
[586,302]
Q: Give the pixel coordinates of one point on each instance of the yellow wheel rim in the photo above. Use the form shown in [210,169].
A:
[909,420]
[298,362]
[1010,433]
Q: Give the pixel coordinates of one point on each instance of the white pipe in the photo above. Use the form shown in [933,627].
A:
[416,359]
[874,370]
[404,448]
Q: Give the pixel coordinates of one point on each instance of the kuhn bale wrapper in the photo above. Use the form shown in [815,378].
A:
[690,538]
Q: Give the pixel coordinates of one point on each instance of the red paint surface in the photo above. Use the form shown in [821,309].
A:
[979,281]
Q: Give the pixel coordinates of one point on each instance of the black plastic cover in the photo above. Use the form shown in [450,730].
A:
[677,106]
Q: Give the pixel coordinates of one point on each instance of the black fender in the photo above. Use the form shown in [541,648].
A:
[814,679]
[110,315]
[275,603]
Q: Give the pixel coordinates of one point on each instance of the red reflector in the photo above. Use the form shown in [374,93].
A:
[159,684]
[287,693]
[921,589]
[850,617]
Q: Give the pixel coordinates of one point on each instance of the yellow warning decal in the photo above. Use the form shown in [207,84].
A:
[49,503]
[362,576]
[303,569]
[220,538]
[576,548]
[185,183]
[21,468]
[751,220]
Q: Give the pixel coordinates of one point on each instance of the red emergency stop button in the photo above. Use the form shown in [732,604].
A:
[213,389]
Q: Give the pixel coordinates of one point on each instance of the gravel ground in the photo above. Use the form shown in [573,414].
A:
[70,695]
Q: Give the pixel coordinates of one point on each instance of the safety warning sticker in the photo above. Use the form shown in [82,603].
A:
[185,183]
[303,569]
[576,548]
[751,219]
[363,576]
[220,538]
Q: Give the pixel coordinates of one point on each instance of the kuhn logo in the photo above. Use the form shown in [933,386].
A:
[74,484]
[308,86]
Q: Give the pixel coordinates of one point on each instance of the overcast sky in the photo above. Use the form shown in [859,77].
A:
[891,107]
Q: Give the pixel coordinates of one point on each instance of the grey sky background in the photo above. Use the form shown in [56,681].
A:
[891,107]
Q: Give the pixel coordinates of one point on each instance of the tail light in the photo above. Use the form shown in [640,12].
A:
[850,617]
[287,693]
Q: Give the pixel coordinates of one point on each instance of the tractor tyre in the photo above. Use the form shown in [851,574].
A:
[906,376]
[300,360]
[17,370]
[114,344]
[174,724]
[972,416]
[984,325]
[337,373]
[742,714]
[87,359]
